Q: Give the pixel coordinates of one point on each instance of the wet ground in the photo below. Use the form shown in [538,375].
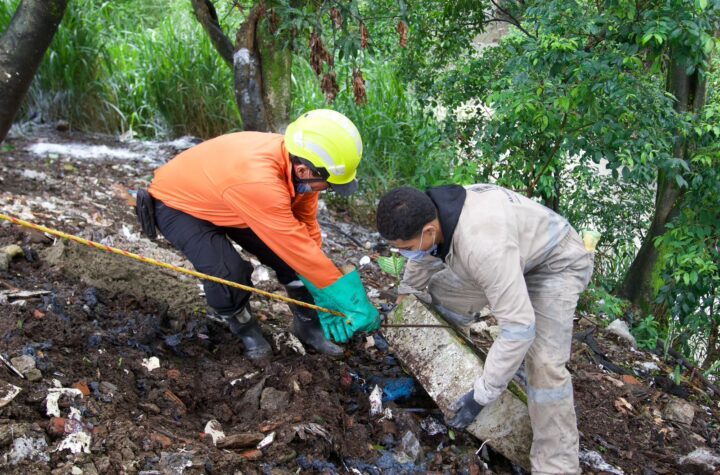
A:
[99,327]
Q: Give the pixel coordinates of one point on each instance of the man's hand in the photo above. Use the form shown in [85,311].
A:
[400,298]
[466,410]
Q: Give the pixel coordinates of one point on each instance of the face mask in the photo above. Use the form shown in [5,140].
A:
[303,188]
[418,254]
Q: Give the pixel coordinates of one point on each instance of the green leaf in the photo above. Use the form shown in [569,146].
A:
[392,265]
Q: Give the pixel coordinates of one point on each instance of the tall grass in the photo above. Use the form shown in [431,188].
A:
[145,67]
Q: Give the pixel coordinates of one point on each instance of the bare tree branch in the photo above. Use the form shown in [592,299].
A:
[207,16]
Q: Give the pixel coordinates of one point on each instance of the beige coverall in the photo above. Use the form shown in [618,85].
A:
[529,266]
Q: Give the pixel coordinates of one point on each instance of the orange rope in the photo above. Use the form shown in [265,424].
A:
[154,262]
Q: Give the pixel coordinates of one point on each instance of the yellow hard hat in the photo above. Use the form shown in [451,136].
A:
[327,139]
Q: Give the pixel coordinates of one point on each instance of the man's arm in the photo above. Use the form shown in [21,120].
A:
[266,209]
[497,269]
[417,276]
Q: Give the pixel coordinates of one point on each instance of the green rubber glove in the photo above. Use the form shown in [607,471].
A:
[347,295]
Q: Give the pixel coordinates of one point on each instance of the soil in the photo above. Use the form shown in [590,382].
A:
[103,316]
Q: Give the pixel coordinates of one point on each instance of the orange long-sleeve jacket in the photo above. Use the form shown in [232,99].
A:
[244,180]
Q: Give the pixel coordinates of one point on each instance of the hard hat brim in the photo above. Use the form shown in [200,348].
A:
[346,189]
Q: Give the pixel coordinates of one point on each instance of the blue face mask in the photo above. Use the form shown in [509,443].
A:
[303,188]
[418,254]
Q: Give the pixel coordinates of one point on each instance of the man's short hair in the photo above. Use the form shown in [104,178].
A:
[403,212]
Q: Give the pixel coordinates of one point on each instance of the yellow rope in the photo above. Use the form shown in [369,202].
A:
[154,262]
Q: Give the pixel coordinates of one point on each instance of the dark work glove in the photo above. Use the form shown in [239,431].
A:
[466,410]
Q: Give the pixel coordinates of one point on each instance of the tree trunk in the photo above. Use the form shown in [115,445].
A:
[689,93]
[22,48]
[261,68]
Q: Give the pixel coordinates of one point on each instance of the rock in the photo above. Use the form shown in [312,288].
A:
[253,454]
[410,447]
[108,388]
[33,375]
[56,426]
[700,461]
[82,387]
[23,363]
[621,330]
[89,469]
[446,368]
[13,250]
[62,125]
[240,441]
[273,400]
[4,262]
[251,399]
[10,431]
[678,410]
[161,440]
[149,407]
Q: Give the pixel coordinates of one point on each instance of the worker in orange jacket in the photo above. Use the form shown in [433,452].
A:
[261,190]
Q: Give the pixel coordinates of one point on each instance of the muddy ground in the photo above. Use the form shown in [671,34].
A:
[96,325]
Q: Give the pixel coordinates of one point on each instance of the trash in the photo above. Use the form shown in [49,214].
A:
[649,366]
[214,430]
[400,388]
[28,448]
[7,393]
[700,460]
[175,464]
[595,461]
[620,328]
[432,426]
[54,395]
[317,466]
[269,439]
[260,274]
[78,434]
[369,342]
[240,441]
[365,260]
[283,338]
[311,428]
[678,410]
[376,401]
[410,447]
[151,363]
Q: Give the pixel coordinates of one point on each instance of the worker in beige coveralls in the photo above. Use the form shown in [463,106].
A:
[480,246]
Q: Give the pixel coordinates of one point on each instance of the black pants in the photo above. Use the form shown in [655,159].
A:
[206,245]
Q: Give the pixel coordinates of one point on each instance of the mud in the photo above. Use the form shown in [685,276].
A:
[101,318]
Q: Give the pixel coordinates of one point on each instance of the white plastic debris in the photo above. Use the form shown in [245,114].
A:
[311,428]
[28,448]
[365,260]
[702,457]
[8,392]
[151,363]
[78,438]
[269,439]
[369,342]
[432,426]
[596,462]
[376,407]
[244,377]
[285,338]
[214,430]
[620,328]
[54,394]
[260,274]
[649,366]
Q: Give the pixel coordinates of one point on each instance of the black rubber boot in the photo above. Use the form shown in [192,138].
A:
[243,325]
[306,324]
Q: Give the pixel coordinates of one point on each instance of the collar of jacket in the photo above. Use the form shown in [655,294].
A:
[449,201]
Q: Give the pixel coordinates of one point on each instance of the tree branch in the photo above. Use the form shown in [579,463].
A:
[535,181]
[207,16]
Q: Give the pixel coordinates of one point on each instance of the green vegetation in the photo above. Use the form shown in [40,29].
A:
[607,112]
